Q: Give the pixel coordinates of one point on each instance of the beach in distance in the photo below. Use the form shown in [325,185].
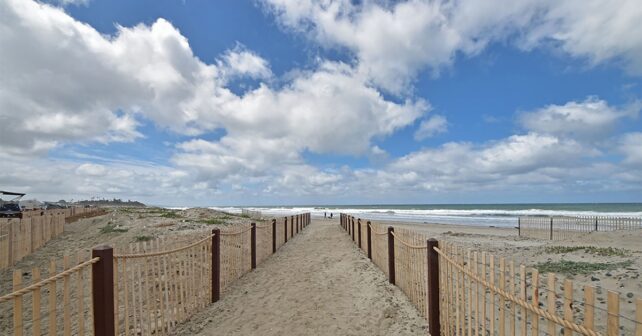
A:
[498,215]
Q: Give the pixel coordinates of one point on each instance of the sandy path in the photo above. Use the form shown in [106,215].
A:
[317,284]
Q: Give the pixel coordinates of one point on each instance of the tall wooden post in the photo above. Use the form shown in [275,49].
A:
[596,223]
[253,245]
[273,235]
[297,223]
[291,226]
[359,230]
[391,254]
[369,238]
[432,286]
[352,229]
[285,229]
[348,225]
[102,290]
[551,229]
[519,226]
[216,265]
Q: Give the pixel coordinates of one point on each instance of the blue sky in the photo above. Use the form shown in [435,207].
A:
[297,102]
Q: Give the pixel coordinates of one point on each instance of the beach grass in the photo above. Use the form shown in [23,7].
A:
[170,214]
[600,251]
[143,238]
[578,267]
[112,228]
[212,221]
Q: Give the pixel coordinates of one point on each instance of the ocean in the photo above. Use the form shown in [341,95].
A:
[497,215]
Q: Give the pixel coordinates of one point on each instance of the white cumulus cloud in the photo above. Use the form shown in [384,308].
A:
[393,41]
[592,118]
[432,126]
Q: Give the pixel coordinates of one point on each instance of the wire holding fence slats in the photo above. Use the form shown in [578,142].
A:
[50,301]
[235,255]
[159,284]
[263,241]
[410,266]
[380,248]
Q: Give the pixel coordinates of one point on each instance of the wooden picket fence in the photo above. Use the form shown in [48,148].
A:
[466,292]
[564,227]
[20,237]
[144,288]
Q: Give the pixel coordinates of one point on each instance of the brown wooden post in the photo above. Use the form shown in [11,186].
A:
[285,229]
[359,230]
[352,232]
[391,254]
[347,220]
[216,265]
[348,225]
[297,223]
[432,286]
[519,226]
[291,226]
[253,245]
[551,228]
[102,290]
[369,231]
[596,223]
[273,235]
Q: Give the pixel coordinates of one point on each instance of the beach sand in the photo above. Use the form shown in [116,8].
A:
[319,283]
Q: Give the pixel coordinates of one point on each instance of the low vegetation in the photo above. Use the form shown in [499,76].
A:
[600,251]
[112,228]
[143,238]
[578,267]
[170,214]
[212,221]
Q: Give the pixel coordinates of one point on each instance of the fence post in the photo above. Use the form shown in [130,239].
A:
[285,229]
[519,226]
[551,235]
[369,240]
[595,223]
[102,290]
[216,265]
[346,222]
[253,245]
[273,235]
[391,254]
[297,223]
[291,226]
[432,286]
[359,230]
[352,229]
[348,225]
